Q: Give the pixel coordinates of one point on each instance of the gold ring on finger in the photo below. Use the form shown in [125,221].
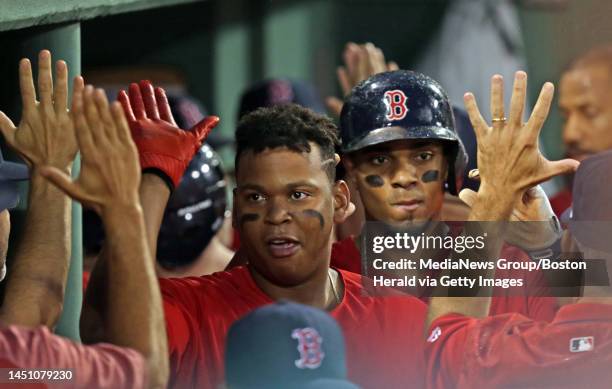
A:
[499,120]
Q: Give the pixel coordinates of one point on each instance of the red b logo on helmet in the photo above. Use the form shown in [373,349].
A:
[396,104]
[309,346]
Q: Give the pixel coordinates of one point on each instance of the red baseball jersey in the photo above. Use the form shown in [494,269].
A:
[537,304]
[513,351]
[384,335]
[96,366]
[561,201]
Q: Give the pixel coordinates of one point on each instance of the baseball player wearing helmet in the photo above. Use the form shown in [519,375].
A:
[402,152]
[187,243]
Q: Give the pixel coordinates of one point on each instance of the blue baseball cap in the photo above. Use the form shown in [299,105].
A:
[10,174]
[286,345]
[278,91]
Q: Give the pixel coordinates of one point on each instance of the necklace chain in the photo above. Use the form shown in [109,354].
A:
[333,286]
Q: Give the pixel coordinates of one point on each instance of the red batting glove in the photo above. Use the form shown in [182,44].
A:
[162,146]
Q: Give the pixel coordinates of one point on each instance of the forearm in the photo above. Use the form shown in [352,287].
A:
[134,318]
[35,288]
[488,216]
[154,195]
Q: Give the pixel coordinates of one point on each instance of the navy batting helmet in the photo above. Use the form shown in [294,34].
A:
[402,105]
[195,211]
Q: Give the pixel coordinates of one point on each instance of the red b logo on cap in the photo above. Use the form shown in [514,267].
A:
[309,346]
[396,104]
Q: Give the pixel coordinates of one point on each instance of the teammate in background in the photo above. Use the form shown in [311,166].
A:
[278,91]
[585,101]
[574,350]
[188,242]
[401,152]
[360,62]
[297,347]
[108,183]
[285,205]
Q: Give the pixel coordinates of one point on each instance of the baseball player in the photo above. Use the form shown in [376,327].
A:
[297,347]
[286,203]
[402,152]
[187,242]
[513,351]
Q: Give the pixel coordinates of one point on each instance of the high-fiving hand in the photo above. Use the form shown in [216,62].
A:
[509,158]
[45,135]
[161,144]
[360,62]
[110,173]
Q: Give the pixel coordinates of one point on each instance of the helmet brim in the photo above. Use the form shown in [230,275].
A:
[388,134]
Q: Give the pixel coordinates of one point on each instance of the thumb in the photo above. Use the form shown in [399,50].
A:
[64,183]
[203,128]
[7,128]
[556,168]
[468,196]
[334,105]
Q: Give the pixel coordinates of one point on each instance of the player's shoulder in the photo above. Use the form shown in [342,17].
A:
[223,282]
[348,242]
[360,290]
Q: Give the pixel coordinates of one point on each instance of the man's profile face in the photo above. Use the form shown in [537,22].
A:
[401,181]
[585,100]
[284,211]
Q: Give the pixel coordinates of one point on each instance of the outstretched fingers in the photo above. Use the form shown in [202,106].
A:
[45,79]
[517,102]
[498,117]
[478,122]
[540,111]
[165,113]
[60,97]
[26,85]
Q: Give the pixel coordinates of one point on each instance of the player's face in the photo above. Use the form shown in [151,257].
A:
[585,100]
[400,182]
[285,207]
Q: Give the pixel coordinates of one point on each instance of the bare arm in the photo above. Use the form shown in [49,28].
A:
[35,289]
[109,181]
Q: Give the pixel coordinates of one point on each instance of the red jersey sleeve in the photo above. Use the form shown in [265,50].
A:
[574,350]
[533,300]
[445,348]
[182,309]
[96,366]
[346,256]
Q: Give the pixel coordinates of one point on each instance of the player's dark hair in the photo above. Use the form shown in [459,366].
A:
[290,126]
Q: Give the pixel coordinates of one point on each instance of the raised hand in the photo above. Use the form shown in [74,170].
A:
[509,158]
[535,225]
[360,62]
[110,173]
[45,135]
[162,146]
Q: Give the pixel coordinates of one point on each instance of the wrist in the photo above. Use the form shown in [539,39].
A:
[117,216]
[493,204]
[40,186]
